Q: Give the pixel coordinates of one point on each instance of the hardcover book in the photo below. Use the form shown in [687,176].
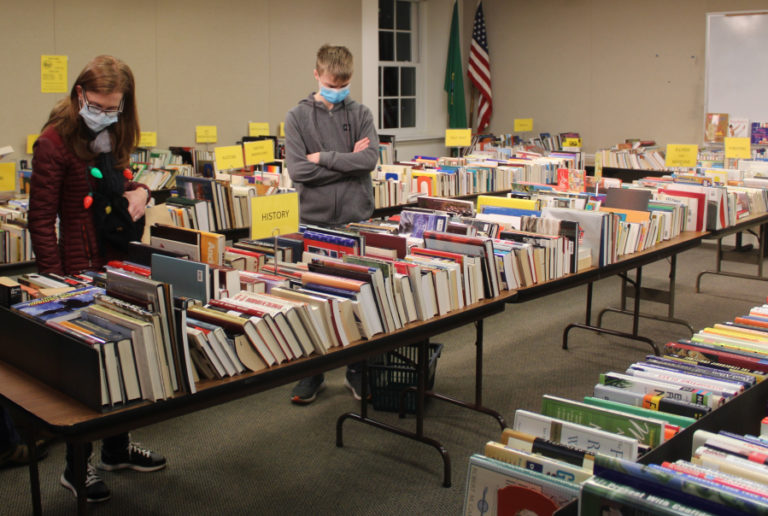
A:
[487,480]
[189,278]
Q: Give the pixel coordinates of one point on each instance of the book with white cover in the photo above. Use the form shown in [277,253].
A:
[584,437]
[206,359]
[285,317]
[731,464]
[648,371]
[647,386]
[534,461]
[487,476]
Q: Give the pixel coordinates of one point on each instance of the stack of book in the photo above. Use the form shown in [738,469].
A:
[130,323]
[595,443]
[15,243]
[404,182]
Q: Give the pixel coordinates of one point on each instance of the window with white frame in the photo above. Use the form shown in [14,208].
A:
[398,64]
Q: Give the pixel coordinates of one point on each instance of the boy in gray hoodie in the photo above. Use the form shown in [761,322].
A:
[331,147]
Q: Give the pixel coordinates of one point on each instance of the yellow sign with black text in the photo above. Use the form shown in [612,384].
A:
[737,148]
[262,151]
[273,215]
[258,129]
[458,137]
[205,134]
[229,157]
[523,124]
[148,139]
[53,74]
[681,155]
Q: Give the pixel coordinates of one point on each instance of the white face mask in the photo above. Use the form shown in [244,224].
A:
[97,122]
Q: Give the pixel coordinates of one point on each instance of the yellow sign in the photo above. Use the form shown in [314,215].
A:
[523,124]
[572,142]
[205,134]
[31,139]
[682,155]
[228,158]
[274,214]
[737,148]
[258,129]
[598,165]
[261,151]
[53,74]
[281,131]
[7,177]
[148,139]
[458,137]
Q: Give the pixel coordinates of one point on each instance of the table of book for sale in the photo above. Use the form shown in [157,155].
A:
[741,415]
[41,410]
[667,249]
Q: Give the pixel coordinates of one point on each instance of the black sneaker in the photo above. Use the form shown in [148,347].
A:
[354,382]
[95,488]
[133,457]
[306,390]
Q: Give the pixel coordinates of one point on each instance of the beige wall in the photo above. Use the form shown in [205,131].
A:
[196,62]
[610,69]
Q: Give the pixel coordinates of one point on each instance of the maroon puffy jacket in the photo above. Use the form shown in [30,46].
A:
[60,182]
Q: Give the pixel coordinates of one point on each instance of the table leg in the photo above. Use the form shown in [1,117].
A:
[422,371]
[34,474]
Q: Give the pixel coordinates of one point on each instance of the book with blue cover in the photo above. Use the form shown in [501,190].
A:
[518,212]
[48,307]
[415,223]
[188,278]
[696,492]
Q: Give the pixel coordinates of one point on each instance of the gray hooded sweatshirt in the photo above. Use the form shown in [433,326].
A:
[338,189]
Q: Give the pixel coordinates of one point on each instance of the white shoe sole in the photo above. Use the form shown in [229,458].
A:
[64,482]
[352,390]
[127,465]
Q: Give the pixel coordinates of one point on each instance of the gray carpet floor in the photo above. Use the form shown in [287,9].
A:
[262,455]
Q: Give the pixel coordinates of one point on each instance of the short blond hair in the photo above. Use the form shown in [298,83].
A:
[336,60]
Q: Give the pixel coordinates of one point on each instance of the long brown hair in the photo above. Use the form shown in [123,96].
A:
[104,74]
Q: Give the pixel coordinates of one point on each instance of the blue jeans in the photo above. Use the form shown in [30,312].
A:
[9,437]
[116,443]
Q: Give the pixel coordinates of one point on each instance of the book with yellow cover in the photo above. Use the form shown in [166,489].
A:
[424,182]
[212,247]
[506,202]
[629,215]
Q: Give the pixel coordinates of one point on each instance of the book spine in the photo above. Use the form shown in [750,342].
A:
[698,493]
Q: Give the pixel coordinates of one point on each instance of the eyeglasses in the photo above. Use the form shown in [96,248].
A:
[97,110]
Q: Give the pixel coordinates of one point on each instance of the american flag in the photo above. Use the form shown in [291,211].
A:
[479,69]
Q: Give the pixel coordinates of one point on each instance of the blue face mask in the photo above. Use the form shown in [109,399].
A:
[97,122]
[334,95]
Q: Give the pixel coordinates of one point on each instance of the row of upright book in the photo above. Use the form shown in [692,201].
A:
[644,154]
[182,313]
[15,244]
[346,284]
[592,449]
[403,182]
[216,204]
